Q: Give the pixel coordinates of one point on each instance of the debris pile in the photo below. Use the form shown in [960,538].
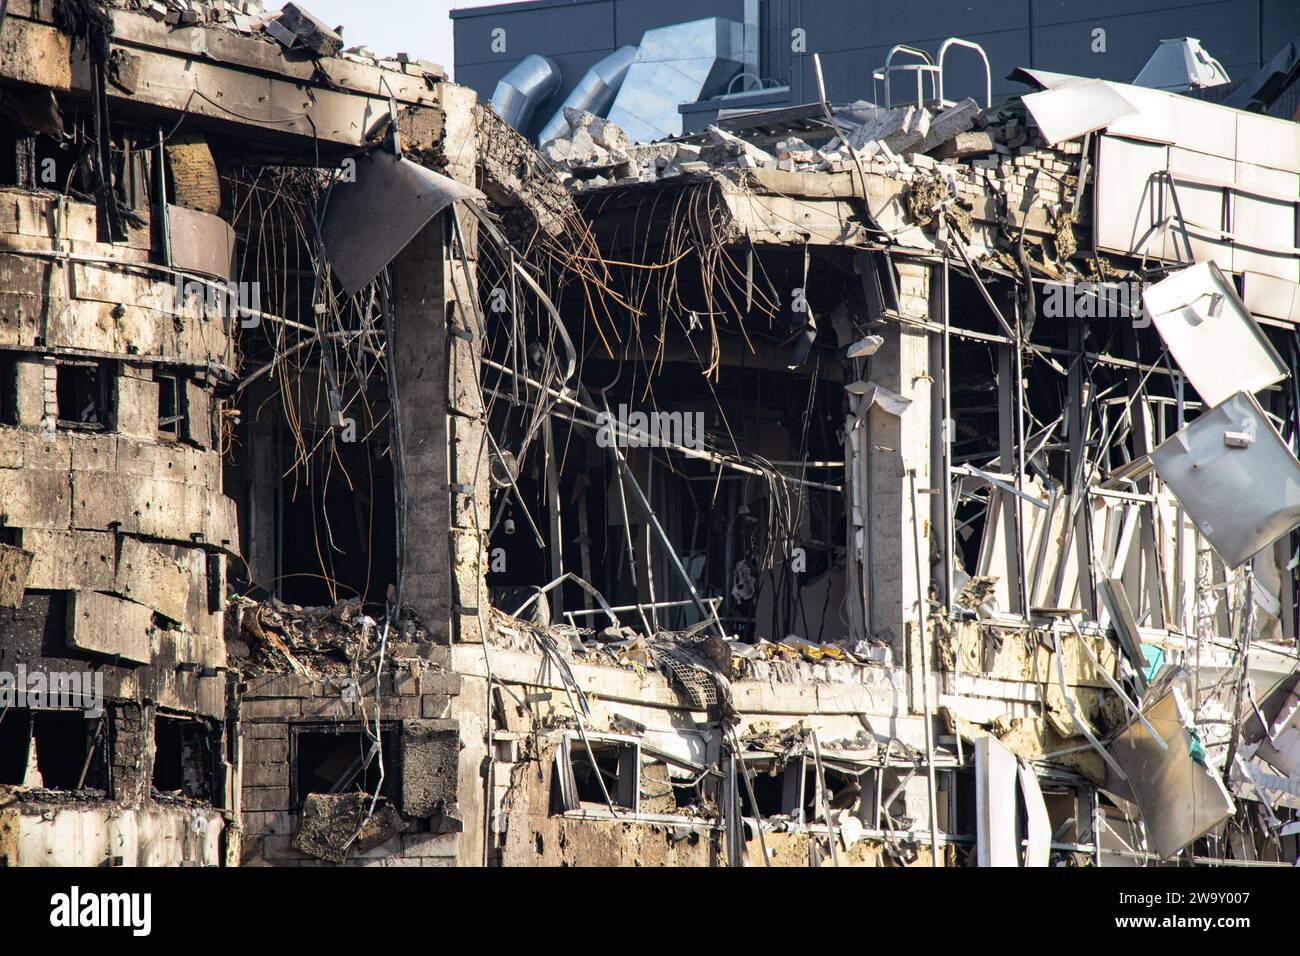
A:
[335,824]
[964,151]
[595,152]
[242,15]
[792,660]
[273,637]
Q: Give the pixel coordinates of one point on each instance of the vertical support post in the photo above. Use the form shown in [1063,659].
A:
[946,437]
[1097,824]
[419,354]
[1076,423]
[893,444]
[553,513]
[923,634]
[1008,413]
[1150,584]
[1021,466]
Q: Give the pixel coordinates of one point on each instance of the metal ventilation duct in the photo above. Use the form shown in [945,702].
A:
[594,92]
[533,81]
[1180,65]
[683,63]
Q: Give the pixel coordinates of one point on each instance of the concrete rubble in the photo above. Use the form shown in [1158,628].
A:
[799,494]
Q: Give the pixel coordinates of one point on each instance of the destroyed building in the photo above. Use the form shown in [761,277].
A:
[906,485]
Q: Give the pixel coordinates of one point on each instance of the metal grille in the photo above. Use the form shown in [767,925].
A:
[699,683]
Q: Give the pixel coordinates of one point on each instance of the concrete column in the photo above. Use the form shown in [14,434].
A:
[418,355]
[437,333]
[29,383]
[468,449]
[438,340]
[260,492]
[897,444]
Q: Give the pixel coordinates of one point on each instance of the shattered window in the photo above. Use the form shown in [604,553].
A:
[769,790]
[345,759]
[183,758]
[169,404]
[85,395]
[586,772]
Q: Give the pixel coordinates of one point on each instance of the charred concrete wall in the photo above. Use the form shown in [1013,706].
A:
[115,527]
[117,353]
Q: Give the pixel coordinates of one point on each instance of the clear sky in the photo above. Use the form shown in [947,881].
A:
[421,28]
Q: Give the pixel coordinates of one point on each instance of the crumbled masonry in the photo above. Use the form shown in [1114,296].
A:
[786,494]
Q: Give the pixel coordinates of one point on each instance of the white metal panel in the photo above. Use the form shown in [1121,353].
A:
[1235,476]
[1039,827]
[1047,79]
[1068,112]
[1267,141]
[1180,799]
[1211,334]
[1172,118]
[1154,120]
[1270,296]
[995,804]
[1202,184]
[1264,220]
[1127,193]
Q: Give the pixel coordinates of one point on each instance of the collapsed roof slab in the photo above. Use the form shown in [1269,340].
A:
[780,207]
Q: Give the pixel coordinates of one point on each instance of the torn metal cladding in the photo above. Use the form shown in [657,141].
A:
[796,493]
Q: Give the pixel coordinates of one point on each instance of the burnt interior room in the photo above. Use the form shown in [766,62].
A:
[736,370]
[184,757]
[309,442]
[52,749]
[337,526]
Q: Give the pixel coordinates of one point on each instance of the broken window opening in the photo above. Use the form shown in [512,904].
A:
[8,390]
[170,402]
[665,790]
[15,739]
[51,750]
[576,786]
[961,797]
[843,792]
[1065,806]
[344,759]
[769,790]
[688,794]
[216,590]
[11,154]
[183,762]
[789,791]
[85,395]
